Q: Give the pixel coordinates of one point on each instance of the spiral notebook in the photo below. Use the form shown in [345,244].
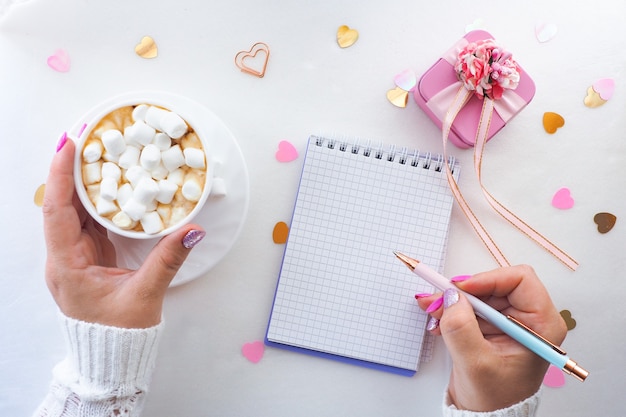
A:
[341,292]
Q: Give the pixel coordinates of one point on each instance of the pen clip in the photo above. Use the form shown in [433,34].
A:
[556,348]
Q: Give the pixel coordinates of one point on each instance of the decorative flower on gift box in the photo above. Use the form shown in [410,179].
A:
[487,69]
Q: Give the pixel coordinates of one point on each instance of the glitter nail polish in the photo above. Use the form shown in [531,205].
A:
[450,297]
[433,323]
[192,238]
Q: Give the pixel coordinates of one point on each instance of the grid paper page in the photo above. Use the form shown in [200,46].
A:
[341,290]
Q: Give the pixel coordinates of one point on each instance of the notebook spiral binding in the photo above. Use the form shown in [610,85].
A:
[425,160]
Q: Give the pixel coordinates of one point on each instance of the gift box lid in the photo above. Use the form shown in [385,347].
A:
[436,89]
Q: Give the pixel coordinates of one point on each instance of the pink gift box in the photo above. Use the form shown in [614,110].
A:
[437,87]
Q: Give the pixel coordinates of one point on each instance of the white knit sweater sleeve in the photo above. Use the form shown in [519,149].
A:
[106,372]
[526,408]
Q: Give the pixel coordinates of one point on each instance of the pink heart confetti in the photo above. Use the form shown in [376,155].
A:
[554,378]
[605,87]
[253,351]
[59,61]
[406,80]
[286,152]
[563,199]
[545,31]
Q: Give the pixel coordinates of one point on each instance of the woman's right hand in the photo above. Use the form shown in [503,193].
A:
[490,370]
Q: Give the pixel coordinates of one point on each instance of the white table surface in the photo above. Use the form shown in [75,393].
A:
[313,86]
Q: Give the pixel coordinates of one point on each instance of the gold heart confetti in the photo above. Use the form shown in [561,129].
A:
[39,195]
[247,62]
[605,222]
[593,99]
[346,37]
[398,97]
[280,233]
[569,320]
[552,121]
[147,48]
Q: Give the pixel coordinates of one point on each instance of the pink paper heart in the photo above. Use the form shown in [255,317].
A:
[562,199]
[604,87]
[406,80]
[59,61]
[253,351]
[286,152]
[545,32]
[554,378]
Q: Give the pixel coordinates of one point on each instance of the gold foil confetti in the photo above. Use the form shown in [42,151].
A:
[398,97]
[346,37]
[39,195]
[147,48]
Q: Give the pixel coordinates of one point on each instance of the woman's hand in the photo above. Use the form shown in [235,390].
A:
[490,370]
[81,271]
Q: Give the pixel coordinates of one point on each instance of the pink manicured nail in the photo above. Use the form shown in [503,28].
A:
[192,238]
[422,295]
[435,305]
[62,141]
[433,323]
[460,278]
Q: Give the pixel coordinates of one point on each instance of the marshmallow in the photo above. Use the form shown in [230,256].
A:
[178,214]
[154,116]
[135,174]
[134,209]
[145,191]
[167,189]
[122,221]
[152,205]
[177,176]
[92,173]
[162,141]
[92,152]
[108,188]
[110,157]
[105,207]
[218,166]
[194,158]
[93,192]
[173,158]
[160,172]
[150,157]
[173,125]
[151,223]
[113,141]
[111,170]
[218,188]
[139,112]
[124,194]
[130,157]
[165,211]
[139,132]
[192,190]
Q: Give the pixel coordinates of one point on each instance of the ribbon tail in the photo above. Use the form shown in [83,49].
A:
[481,140]
[459,101]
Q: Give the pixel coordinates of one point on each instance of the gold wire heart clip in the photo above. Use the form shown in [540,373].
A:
[247,61]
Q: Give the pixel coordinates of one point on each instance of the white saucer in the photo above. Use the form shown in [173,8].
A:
[221,217]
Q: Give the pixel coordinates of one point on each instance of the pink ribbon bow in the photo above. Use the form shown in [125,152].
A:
[447,104]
